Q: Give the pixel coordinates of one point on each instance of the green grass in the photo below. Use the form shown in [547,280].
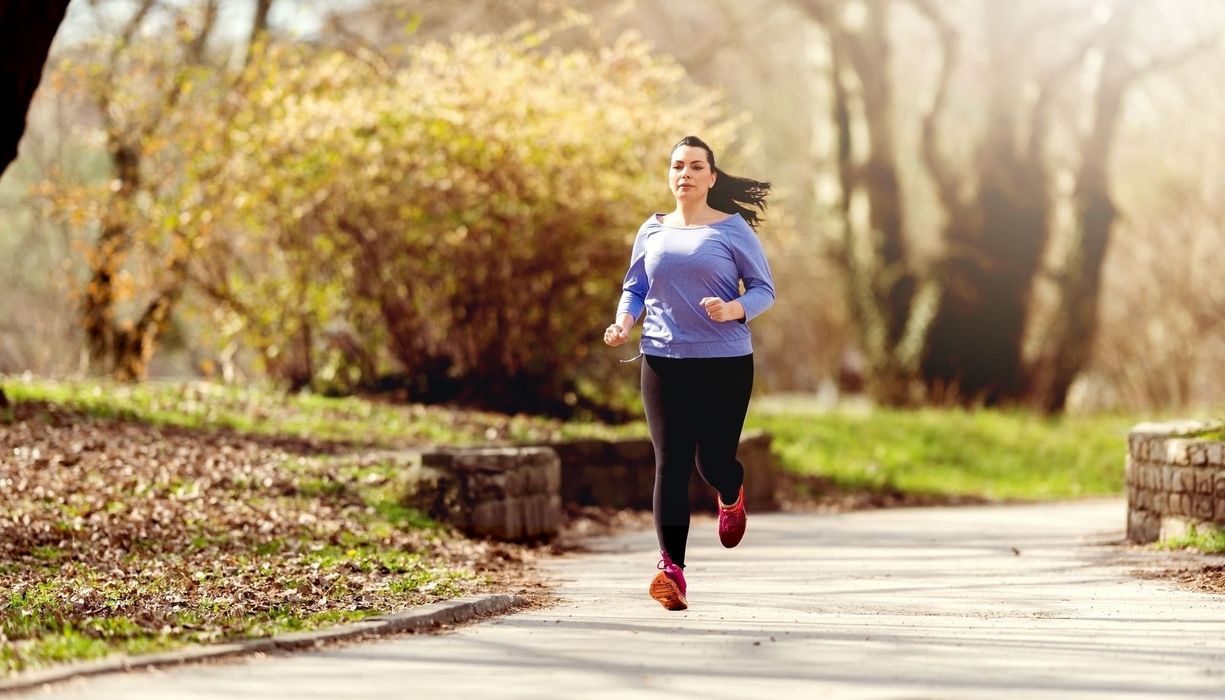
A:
[262,411]
[993,454]
[1209,540]
[1211,434]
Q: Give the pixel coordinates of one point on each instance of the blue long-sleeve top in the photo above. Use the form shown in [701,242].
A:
[673,268]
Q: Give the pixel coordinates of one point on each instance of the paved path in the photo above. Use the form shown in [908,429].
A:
[980,602]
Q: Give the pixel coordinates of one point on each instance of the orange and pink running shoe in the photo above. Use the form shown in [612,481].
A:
[668,586]
[732,521]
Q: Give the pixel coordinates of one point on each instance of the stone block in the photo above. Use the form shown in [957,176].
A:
[502,493]
[1174,505]
[1167,477]
[1155,449]
[1218,514]
[645,484]
[1176,452]
[1161,502]
[1216,454]
[1131,472]
[1142,527]
[1172,527]
[1201,507]
[1218,484]
[1181,481]
[1150,476]
[633,451]
[1203,481]
[583,451]
[1186,505]
[605,484]
[1144,499]
[1197,453]
[757,454]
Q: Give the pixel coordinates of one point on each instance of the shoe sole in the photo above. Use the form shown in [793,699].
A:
[667,593]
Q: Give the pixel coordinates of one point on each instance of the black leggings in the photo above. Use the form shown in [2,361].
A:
[695,408]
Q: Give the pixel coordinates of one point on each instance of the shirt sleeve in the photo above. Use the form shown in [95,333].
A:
[753,268]
[634,288]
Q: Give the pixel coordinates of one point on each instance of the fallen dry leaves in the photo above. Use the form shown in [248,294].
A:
[120,530]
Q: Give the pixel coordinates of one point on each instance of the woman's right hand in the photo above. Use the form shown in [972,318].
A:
[615,335]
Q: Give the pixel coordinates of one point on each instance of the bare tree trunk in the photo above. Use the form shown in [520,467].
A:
[259,24]
[26,32]
[124,350]
[107,258]
[995,247]
[981,298]
[880,282]
[1068,342]
[138,343]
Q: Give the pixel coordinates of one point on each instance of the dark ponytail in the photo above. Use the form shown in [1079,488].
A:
[731,194]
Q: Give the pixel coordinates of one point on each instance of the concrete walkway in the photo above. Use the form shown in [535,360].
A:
[980,602]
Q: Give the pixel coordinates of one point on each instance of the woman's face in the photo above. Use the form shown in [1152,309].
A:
[689,175]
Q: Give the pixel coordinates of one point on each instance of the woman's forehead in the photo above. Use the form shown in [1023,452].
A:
[689,154]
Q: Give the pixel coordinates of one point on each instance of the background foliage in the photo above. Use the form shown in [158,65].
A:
[343,197]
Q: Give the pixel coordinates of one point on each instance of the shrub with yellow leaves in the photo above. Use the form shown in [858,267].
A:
[462,220]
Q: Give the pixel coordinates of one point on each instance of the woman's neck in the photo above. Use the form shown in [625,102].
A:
[693,213]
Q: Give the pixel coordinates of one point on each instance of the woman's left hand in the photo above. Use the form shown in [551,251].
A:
[721,311]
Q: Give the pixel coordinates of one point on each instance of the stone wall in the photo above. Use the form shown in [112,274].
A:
[621,474]
[1173,480]
[516,493]
[506,493]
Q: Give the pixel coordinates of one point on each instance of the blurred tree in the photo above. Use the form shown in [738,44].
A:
[880,281]
[442,212]
[152,211]
[957,332]
[26,32]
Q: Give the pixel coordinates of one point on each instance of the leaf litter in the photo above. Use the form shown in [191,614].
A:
[122,536]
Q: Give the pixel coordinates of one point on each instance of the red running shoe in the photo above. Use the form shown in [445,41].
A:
[732,521]
[668,586]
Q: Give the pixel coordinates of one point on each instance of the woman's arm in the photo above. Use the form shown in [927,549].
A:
[753,268]
[633,295]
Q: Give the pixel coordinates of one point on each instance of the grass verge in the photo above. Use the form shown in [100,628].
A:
[1209,540]
[989,454]
[203,405]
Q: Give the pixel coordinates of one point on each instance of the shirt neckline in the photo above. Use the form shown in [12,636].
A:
[656,219]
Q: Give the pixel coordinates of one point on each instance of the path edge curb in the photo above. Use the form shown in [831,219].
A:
[423,617]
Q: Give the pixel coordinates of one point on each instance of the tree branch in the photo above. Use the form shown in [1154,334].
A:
[947,184]
[1048,84]
[1175,58]
[259,27]
[195,50]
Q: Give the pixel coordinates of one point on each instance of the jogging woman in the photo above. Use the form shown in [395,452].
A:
[686,270]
